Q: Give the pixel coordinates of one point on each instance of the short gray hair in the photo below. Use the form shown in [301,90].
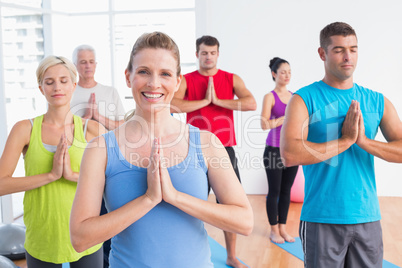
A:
[82,48]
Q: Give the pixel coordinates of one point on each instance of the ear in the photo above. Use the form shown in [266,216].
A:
[196,54]
[41,90]
[273,74]
[127,75]
[75,86]
[178,83]
[322,54]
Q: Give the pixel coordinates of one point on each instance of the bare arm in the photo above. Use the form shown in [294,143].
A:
[245,100]
[108,123]
[17,140]
[94,129]
[87,228]
[180,105]
[297,150]
[391,127]
[266,122]
[234,204]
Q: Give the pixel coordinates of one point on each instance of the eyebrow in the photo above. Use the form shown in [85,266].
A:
[147,68]
[51,78]
[337,47]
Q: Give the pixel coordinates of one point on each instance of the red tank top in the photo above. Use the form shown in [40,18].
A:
[213,118]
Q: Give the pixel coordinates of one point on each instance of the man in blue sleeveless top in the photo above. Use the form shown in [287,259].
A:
[330,128]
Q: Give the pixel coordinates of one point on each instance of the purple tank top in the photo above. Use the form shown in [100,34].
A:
[277,111]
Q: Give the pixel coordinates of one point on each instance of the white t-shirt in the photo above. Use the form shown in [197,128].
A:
[107,98]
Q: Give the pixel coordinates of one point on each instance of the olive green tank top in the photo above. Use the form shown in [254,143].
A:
[47,208]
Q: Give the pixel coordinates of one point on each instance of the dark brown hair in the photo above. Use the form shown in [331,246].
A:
[206,40]
[335,28]
[275,63]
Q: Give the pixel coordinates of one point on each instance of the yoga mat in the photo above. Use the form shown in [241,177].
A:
[218,255]
[296,250]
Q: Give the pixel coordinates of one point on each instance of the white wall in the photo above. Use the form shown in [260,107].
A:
[253,32]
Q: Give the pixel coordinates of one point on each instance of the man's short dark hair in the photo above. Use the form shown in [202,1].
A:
[335,28]
[206,40]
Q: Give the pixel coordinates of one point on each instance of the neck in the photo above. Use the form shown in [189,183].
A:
[87,82]
[59,116]
[280,88]
[339,84]
[158,124]
[208,72]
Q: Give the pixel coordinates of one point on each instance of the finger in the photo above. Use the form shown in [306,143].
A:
[160,149]
[155,157]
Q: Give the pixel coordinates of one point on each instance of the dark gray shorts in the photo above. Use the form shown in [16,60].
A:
[341,245]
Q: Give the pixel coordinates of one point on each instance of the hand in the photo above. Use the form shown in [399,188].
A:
[58,158]
[208,94]
[169,193]
[88,111]
[94,105]
[154,192]
[67,172]
[214,98]
[350,128]
[361,138]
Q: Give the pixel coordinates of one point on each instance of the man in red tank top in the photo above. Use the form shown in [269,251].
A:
[207,96]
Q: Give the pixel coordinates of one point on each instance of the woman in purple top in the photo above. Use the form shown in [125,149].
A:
[280,178]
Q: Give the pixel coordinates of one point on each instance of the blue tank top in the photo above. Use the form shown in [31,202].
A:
[165,236]
[342,189]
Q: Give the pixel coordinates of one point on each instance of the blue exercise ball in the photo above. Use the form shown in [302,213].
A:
[6,263]
[12,241]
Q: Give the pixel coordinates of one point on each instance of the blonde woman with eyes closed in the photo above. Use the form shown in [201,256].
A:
[52,145]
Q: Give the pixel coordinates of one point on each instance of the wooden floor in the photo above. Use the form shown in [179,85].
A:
[257,251]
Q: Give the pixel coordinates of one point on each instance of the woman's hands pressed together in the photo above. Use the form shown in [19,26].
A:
[160,186]
[61,162]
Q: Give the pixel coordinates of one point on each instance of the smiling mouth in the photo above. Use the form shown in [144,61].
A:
[152,96]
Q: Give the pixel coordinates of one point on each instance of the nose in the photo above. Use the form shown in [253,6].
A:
[154,82]
[346,56]
[57,86]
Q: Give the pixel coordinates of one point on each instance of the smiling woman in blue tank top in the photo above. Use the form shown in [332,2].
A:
[280,178]
[152,172]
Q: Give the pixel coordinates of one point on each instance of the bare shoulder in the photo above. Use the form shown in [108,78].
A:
[96,146]
[269,97]
[94,129]
[210,144]
[22,129]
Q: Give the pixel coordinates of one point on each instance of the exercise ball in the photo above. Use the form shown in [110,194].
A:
[6,263]
[297,190]
[12,241]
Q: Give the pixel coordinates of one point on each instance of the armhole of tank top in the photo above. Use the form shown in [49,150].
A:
[30,135]
[85,128]
[106,136]
[112,151]
[197,144]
